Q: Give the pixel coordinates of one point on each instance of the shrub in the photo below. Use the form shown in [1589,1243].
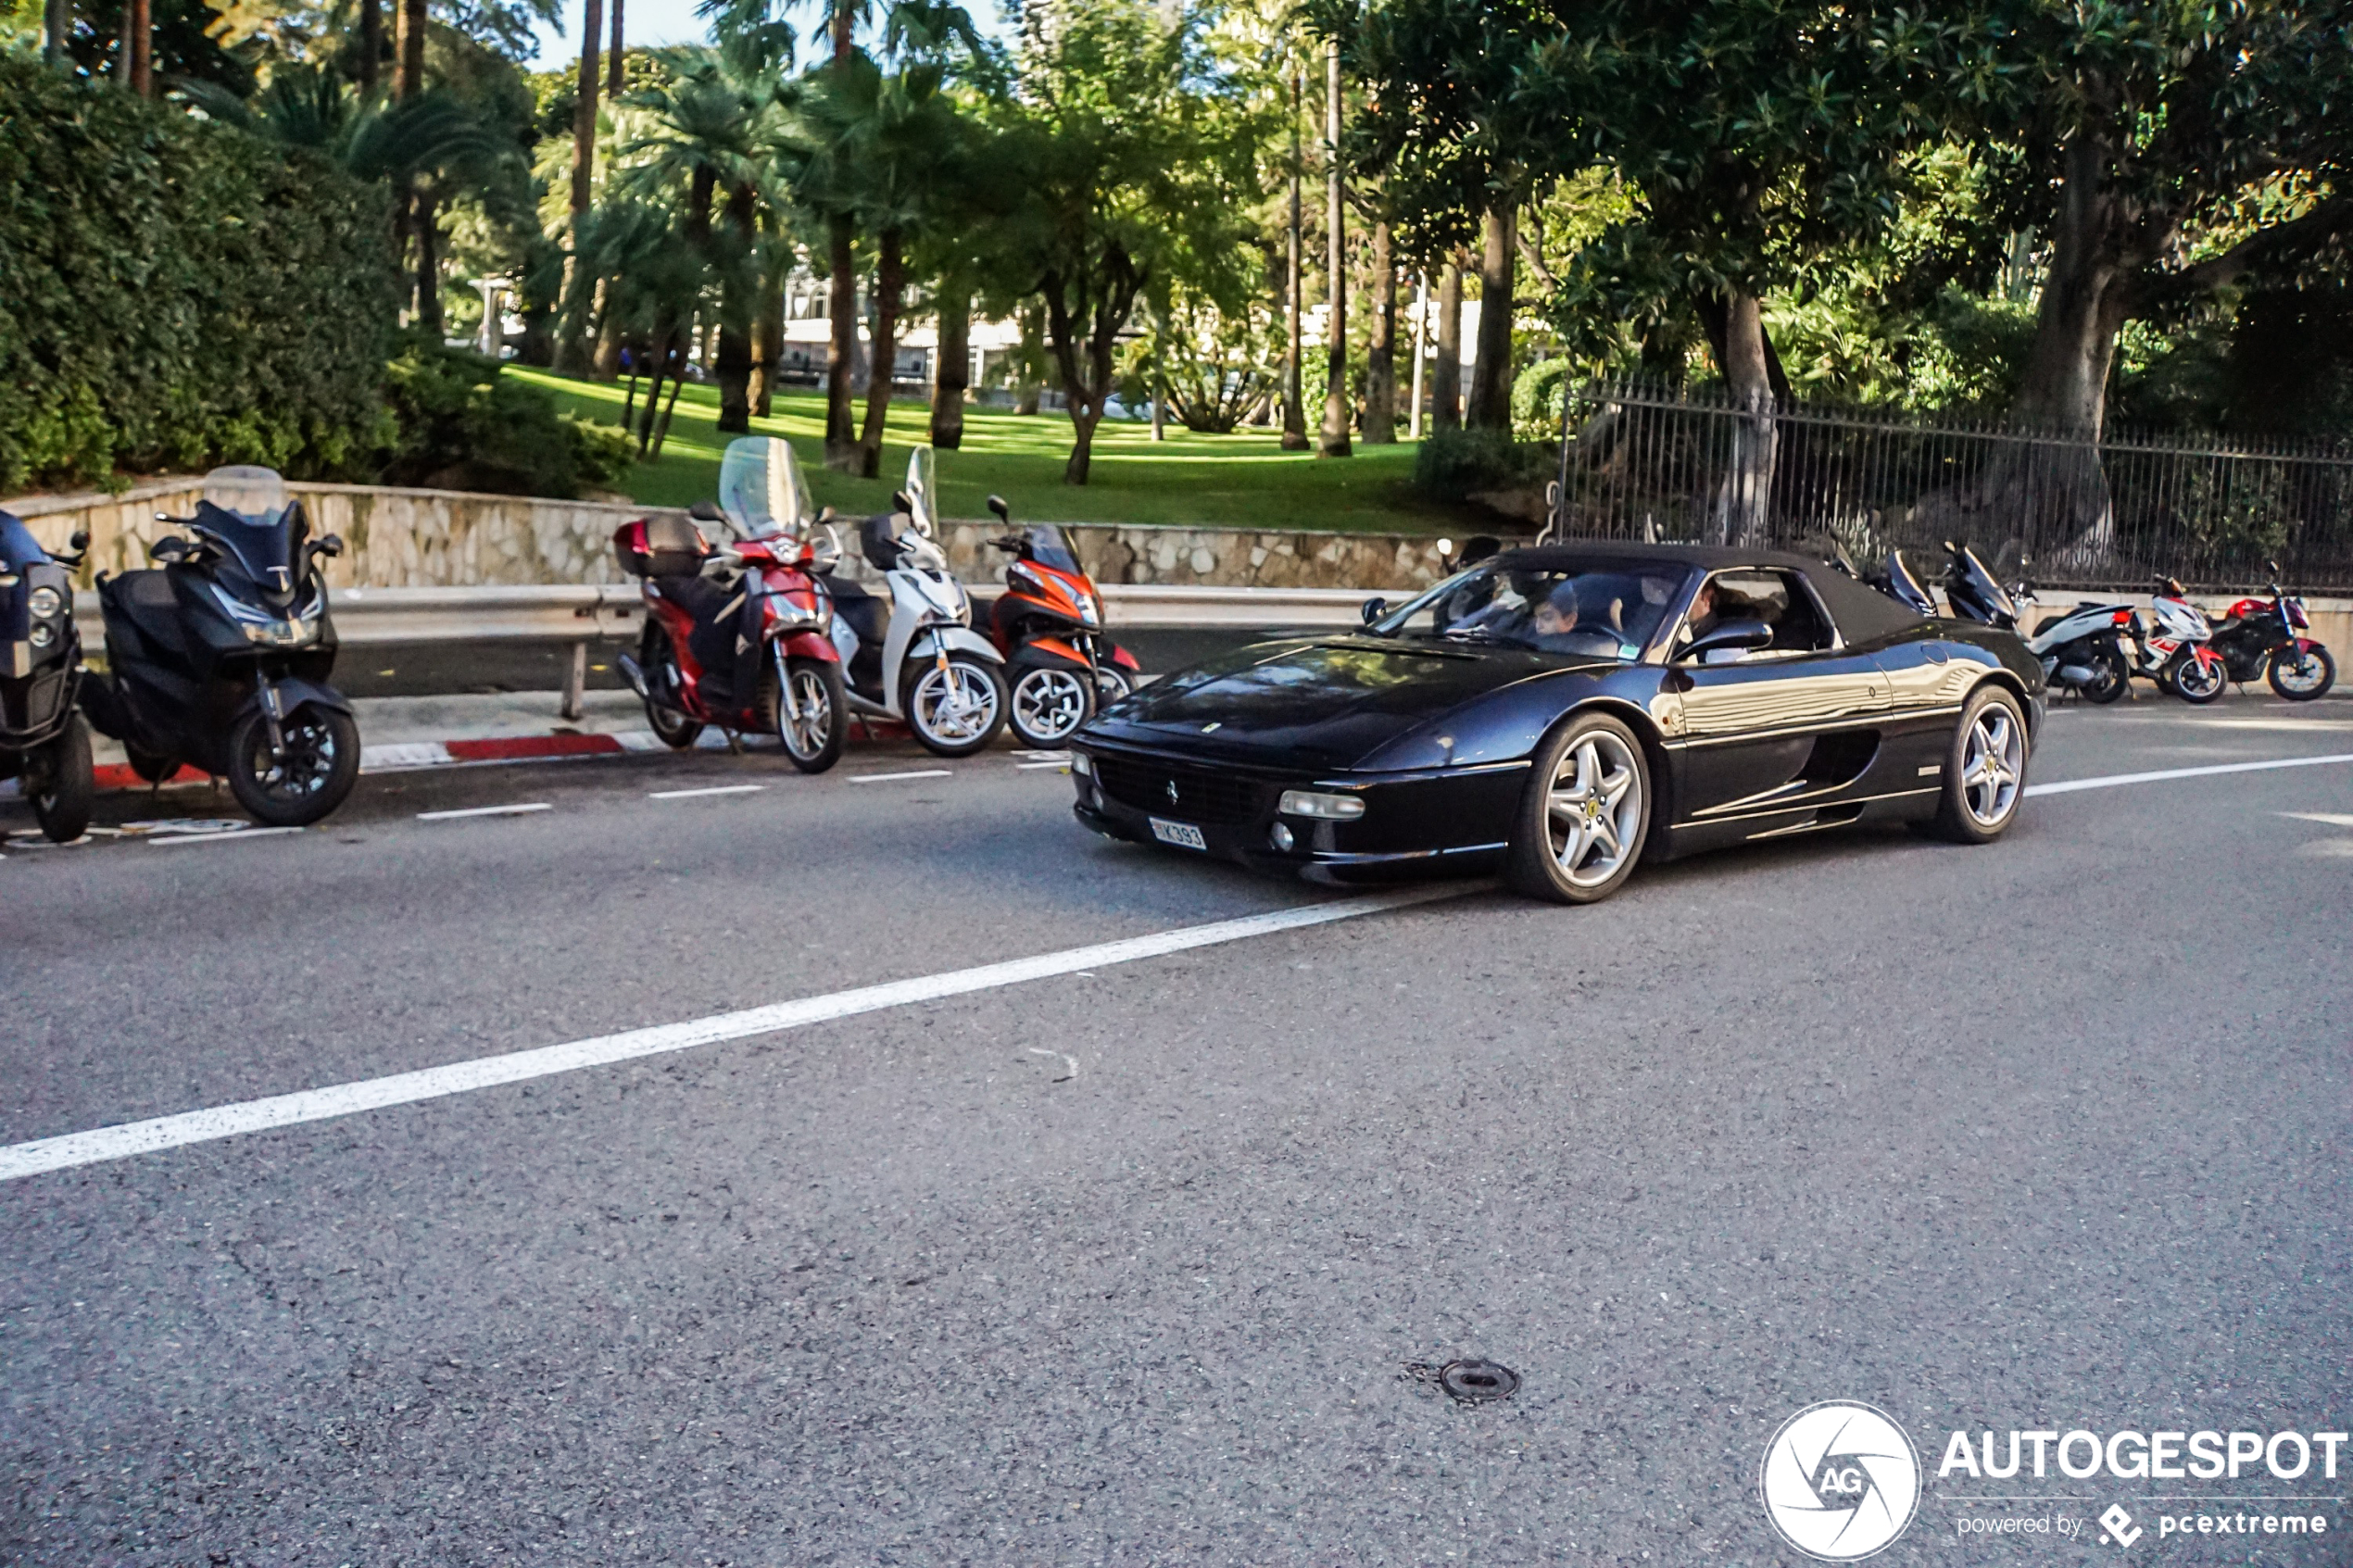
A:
[462,425]
[1454,464]
[178,293]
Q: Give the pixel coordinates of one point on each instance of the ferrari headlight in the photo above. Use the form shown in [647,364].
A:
[46,602]
[1330,808]
[1082,764]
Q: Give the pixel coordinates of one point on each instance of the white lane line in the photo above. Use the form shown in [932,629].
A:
[691,793]
[218,837]
[516,810]
[71,1150]
[1064,765]
[884,778]
[2113,779]
[2326,819]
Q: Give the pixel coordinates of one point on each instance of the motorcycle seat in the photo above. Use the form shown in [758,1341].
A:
[878,541]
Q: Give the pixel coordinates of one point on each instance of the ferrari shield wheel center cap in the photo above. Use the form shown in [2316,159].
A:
[1172,792]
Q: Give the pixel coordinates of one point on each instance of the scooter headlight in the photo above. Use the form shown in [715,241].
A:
[42,635]
[1090,615]
[46,602]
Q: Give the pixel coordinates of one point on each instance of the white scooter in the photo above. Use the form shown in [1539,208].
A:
[911,653]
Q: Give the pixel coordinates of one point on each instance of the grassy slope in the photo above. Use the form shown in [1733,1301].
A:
[1216,481]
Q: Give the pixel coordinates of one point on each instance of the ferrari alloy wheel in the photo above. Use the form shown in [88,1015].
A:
[1985,770]
[2304,676]
[1049,704]
[816,721]
[955,706]
[1584,815]
[2197,681]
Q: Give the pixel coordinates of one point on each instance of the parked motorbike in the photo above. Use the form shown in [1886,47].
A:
[2173,646]
[1974,592]
[220,656]
[2265,637]
[1047,623]
[43,741]
[2082,649]
[911,652]
[737,635]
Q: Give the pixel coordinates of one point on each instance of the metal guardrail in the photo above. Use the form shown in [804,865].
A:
[586,614]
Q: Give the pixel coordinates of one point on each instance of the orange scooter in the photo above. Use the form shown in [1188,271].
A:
[1049,624]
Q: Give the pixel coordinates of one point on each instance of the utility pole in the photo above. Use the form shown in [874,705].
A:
[1332,440]
[1294,304]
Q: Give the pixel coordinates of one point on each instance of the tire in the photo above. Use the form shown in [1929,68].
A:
[672,728]
[1047,703]
[322,763]
[2198,684]
[1980,802]
[154,766]
[1111,684]
[62,800]
[1589,794]
[941,725]
[2118,678]
[2315,672]
[813,743]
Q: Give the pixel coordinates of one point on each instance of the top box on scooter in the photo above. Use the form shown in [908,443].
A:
[667,545]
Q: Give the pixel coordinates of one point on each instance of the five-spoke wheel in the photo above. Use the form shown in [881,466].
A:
[1584,815]
[1985,768]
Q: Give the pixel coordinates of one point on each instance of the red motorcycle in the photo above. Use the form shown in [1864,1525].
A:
[738,636]
[2269,636]
[1049,624]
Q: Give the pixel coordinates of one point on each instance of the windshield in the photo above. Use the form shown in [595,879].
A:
[922,497]
[1050,549]
[1600,609]
[760,490]
[253,494]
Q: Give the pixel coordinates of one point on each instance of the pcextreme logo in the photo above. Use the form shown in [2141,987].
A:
[1840,1481]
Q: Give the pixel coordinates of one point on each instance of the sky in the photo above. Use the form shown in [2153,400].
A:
[644,23]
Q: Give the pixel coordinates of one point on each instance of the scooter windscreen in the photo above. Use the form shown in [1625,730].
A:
[760,489]
[1050,549]
[248,512]
[923,500]
[1979,584]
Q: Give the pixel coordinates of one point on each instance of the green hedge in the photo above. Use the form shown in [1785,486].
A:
[465,426]
[176,294]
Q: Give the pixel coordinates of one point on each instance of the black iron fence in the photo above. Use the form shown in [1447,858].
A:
[1642,463]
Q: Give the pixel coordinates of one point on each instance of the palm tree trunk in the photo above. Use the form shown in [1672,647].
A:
[1380,346]
[1294,293]
[429,261]
[1446,376]
[1331,441]
[1490,392]
[841,353]
[951,366]
[615,56]
[371,47]
[767,351]
[138,47]
[57,19]
[409,49]
[890,280]
[572,349]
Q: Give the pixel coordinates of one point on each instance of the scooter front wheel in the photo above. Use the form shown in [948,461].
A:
[310,778]
[955,708]
[2111,675]
[2196,681]
[1048,703]
[816,721]
[62,795]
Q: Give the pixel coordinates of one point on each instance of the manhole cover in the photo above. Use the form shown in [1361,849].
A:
[1471,1382]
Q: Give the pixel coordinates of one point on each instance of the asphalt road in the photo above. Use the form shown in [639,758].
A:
[1129,1266]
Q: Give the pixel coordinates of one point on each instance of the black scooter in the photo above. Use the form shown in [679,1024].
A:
[43,739]
[219,657]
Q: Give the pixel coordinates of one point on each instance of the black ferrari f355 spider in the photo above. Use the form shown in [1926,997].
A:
[1568,711]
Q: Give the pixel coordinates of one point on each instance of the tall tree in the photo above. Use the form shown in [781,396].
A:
[1294,288]
[1489,407]
[617,63]
[1331,438]
[1140,156]
[1446,375]
[1380,342]
[572,348]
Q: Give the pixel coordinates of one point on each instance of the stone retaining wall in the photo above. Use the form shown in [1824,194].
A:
[450,539]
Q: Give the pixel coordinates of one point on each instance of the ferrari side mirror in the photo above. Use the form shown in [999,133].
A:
[1375,608]
[1742,635]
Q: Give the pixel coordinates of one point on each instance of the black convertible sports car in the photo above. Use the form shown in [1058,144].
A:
[1567,711]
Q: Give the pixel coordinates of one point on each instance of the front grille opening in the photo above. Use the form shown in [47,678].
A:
[1200,797]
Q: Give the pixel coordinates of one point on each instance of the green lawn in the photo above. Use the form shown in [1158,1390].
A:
[1243,481]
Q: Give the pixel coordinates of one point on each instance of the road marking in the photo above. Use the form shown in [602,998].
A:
[218,837]
[483,812]
[71,1150]
[918,773]
[2113,779]
[2327,819]
[1064,765]
[715,789]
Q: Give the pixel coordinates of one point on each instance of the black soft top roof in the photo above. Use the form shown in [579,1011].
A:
[1858,611]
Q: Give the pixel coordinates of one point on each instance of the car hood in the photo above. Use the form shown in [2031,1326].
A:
[1326,702]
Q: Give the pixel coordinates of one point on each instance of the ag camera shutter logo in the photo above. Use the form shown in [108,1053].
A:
[1840,1481]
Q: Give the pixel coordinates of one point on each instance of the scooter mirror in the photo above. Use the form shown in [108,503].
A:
[899,499]
[826,516]
[331,545]
[997,505]
[80,541]
[706,511]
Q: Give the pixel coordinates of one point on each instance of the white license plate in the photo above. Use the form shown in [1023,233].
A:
[1183,834]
